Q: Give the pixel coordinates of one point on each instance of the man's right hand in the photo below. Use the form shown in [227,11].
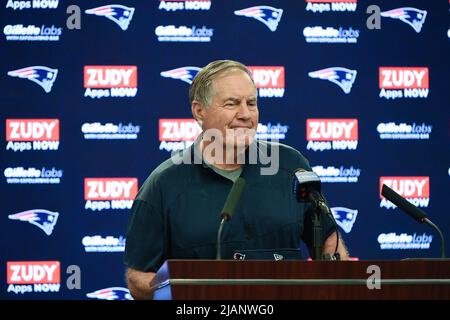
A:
[139,284]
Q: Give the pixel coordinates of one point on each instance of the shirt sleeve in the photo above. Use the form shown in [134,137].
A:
[144,249]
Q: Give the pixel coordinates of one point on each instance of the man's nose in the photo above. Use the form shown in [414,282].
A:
[244,111]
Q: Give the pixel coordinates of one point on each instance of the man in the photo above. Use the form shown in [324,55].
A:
[176,213]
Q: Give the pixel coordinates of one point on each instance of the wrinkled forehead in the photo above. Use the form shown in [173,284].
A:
[220,85]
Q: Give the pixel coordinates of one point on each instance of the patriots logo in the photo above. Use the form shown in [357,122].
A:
[238,256]
[343,77]
[268,15]
[43,219]
[186,74]
[345,218]
[113,293]
[412,16]
[119,14]
[278,257]
[43,76]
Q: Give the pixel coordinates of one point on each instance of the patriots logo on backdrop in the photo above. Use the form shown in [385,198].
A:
[343,77]
[43,76]
[113,293]
[186,74]
[119,14]
[43,219]
[412,16]
[345,218]
[268,15]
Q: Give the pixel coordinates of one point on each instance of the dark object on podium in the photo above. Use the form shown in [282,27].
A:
[325,280]
[416,213]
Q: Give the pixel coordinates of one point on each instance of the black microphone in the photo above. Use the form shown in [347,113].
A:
[228,210]
[416,213]
[307,188]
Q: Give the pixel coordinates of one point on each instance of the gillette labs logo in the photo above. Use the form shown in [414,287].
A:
[318,34]
[103,244]
[342,174]
[271,131]
[404,241]
[403,131]
[110,131]
[172,33]
[20,175]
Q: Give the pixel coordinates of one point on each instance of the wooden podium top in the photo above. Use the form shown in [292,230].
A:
[311,280]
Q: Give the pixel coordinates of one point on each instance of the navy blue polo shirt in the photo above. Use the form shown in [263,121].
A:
[176,213]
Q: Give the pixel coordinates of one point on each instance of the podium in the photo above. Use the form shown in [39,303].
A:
[298,280]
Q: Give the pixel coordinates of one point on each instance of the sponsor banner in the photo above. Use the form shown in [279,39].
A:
[109,131]
[403,131]
[177,134]
[404,241]
[31,175]
[33,276]
[320,6]
[173,33]
[32,4]
[103,244]
[319,34]
[415,189]
[403,82]
[31,32]
[271,131]
[340,174]
[269,81]
[184,5]
[332,134]
[109,193]
[32,134]
[110,81]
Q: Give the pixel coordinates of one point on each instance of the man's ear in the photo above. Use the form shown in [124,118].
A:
[197,111]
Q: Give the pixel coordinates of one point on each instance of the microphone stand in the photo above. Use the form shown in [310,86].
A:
[317,231]
[219,237]
[320,207]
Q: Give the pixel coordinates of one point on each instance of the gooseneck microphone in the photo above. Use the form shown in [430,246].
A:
[228,210]
[307,188]
[416,213]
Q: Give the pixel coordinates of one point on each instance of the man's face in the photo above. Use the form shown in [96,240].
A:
[233,110]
